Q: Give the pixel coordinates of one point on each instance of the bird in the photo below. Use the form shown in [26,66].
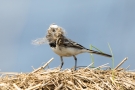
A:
[65,47]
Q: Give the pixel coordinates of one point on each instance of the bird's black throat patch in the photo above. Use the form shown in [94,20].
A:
[52,44]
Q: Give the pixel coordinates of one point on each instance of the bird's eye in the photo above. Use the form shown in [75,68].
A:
[53,30]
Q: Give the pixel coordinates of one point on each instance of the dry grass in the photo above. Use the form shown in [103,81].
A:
[68,79]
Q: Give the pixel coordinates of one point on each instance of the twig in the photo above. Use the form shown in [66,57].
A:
[34,87]
[14,73]
[114,83]
[121,63]
[42,66]
[59,87]
[48,63]
[101,66]
[16,87]
[89,65]
[128,67]
[7,73]
[33,68]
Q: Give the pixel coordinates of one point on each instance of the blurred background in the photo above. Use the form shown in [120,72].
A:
[89,22]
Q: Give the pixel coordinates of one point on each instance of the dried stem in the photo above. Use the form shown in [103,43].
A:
[121,63]
[36,70]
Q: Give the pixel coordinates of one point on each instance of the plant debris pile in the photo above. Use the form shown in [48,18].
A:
[68,79]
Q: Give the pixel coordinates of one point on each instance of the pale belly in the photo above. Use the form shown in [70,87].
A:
[67,52]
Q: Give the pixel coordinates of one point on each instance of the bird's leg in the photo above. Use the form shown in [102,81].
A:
[61,62]
[75,61]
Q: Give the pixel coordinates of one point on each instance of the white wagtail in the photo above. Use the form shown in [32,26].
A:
[65,47]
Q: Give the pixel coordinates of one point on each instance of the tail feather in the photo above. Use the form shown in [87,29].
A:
[99,53]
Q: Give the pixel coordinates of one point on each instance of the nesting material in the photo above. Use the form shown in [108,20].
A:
[50,35]
[68,79]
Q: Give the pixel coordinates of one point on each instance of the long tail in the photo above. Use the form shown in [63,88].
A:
[99,53]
